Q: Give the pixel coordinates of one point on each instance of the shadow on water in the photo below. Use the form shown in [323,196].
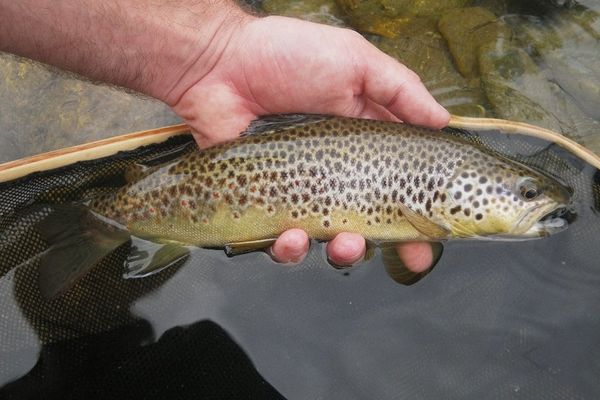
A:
[134,365]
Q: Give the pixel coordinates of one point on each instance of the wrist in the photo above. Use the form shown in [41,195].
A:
[143,45]
[192,49]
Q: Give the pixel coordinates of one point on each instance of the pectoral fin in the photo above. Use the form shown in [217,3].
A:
[424,225]
[398,271]
[148,258]
[237,248]
[78,241]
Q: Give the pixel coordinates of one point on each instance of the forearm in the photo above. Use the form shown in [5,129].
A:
[145,45]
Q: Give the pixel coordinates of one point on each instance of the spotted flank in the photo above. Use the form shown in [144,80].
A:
[390,182]
[328,175]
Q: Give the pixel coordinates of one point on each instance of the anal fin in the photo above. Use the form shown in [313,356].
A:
[148,258]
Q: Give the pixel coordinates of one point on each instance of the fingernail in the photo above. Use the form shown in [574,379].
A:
[340,266]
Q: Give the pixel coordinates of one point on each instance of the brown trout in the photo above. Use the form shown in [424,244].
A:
[390,182]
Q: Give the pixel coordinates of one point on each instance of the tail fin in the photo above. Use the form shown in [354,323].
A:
[78,240]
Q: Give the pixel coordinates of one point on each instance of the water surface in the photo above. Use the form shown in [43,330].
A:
[493,320]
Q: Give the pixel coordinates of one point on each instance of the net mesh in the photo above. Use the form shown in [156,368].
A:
[492,320]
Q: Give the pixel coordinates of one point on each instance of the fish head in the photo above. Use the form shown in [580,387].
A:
[504,200]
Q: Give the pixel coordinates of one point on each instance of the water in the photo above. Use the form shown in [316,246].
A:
[493,320]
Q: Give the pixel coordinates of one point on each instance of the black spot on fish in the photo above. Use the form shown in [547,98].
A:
[478,217]
[430,184]
[454,210]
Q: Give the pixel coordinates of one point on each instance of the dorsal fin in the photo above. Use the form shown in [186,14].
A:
[278,122]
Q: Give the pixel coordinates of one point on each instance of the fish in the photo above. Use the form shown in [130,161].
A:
[390,182]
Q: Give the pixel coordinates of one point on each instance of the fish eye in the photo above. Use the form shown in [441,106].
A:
[528,189]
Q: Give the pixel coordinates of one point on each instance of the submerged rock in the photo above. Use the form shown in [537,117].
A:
[568,47]
[466,30]
[420,47]
[321,11]
[384,17]
[519,90]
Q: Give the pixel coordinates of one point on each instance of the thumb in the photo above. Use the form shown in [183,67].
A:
[215,113]
[398,89]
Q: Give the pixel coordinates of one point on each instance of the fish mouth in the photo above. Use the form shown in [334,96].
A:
[555,219]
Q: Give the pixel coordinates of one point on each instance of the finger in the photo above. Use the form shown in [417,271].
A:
[291,246]
[346,249]
[416,256]
[398,89]
[220,116]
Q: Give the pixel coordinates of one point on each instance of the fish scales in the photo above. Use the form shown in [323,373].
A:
[328,176]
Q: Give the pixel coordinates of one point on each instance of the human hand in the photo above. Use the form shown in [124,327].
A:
[279,65]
